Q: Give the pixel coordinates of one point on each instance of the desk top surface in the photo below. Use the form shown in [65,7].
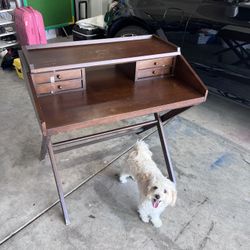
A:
[97,52]
[115,98]
[110,94]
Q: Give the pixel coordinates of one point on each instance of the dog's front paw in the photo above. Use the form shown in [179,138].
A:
[123,178]
[143,217]
[157,222]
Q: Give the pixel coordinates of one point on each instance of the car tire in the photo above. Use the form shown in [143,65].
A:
[131,30]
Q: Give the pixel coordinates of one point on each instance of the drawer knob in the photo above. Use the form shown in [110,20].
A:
[59,86]
[155,63]
[58,76]
[153,72]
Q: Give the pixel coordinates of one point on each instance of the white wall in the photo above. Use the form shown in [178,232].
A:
[105,6]
[98,7]
[19,2]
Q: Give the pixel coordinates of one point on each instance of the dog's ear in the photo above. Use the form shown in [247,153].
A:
[173,192]
[145,180]
[149,181]
[174,197]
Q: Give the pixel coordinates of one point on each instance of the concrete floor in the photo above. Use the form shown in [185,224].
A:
[209,145]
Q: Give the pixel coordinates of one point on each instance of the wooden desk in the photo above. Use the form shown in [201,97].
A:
[80,84]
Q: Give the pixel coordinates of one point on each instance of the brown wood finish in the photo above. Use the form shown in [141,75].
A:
[128,69]
[100,41]
[185,73]
[105,74]
[109,93]
[32,93]
[83,76]
[114,98]
[61,56]
[52,88]
[55,76]
[157,71]
[167,61]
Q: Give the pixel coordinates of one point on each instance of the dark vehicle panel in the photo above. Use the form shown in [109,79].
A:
[210,42]
[214,36]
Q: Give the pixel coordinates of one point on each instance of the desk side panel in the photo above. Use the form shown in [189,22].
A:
[32,94]
[184,72]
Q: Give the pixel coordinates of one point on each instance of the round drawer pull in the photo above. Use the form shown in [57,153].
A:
[155,63]
[153,72]
[59,86]
[58,76]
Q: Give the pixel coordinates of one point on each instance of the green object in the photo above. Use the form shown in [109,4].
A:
[56,13]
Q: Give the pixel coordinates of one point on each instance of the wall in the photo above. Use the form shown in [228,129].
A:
[98,7]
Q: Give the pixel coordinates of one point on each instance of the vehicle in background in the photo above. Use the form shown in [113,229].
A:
[214,36]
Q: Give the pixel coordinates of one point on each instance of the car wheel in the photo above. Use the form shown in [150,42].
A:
[131,31]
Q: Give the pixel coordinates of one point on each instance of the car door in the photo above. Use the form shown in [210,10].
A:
[217,44]
[171,15]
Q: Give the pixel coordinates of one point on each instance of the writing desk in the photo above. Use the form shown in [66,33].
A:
[75,85]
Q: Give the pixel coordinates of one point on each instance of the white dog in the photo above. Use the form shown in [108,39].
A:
[156,191]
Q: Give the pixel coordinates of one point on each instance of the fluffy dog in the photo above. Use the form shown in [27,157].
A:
[156,191]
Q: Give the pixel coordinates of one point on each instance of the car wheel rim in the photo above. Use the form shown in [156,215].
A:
[129,34]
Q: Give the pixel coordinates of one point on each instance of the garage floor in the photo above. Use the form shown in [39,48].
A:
[210,147]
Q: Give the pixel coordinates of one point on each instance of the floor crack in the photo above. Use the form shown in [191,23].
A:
[183,228]
[188,223]
[206,238]
[203,202]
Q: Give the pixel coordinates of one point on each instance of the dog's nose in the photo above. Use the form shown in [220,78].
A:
[157,196]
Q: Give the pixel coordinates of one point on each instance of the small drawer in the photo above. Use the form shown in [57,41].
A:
[152,72]
[51,88]
[67,85]
[67,74]
[166,61]
[55,76]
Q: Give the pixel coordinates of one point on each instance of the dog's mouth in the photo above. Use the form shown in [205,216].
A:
[155,203]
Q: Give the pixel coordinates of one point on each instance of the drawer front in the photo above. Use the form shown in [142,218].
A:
[55,76]
[166,61]
[51,88]
[67,74]
[152,72]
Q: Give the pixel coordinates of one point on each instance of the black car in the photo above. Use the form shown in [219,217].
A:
[214,35]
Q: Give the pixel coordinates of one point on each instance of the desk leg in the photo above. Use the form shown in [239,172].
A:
[43,151]
[58,182]
[164,147]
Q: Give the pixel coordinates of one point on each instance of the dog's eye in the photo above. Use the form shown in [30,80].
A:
[154,187]
[165,191]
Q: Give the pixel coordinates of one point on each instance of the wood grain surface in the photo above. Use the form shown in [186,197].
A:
[113,98]
[55,57]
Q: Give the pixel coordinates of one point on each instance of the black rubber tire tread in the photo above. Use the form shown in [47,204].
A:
[132,30]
